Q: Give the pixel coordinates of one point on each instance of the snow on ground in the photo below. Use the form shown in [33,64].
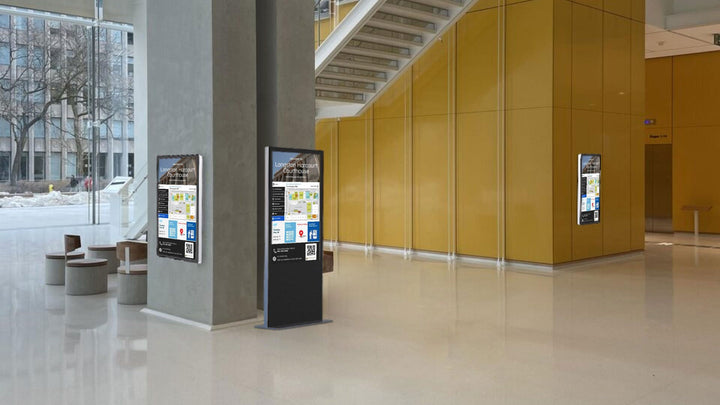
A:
[52,199]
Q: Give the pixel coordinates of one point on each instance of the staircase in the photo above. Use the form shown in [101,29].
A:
[372,46]
[138,196]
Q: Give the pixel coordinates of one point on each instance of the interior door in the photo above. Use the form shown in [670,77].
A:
[658,188]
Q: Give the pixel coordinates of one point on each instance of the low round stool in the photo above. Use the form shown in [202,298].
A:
[55,266]
[105,252]
[86,276]
[132,286]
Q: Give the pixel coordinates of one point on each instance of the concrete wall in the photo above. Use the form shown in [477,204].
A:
[286,92]
[202,99]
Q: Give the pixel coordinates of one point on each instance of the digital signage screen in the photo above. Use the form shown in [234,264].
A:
[178,207]
[293,245]
[588,189]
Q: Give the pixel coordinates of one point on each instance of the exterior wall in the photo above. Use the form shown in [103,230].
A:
[45,146]
[424,167]
[682,99]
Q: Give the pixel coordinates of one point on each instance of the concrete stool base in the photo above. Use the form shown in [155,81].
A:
[132,289]
[86,280]
[55,267]
[107,253]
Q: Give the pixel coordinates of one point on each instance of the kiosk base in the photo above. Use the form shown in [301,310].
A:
[298,325]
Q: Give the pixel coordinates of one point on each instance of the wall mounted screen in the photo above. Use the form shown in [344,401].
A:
[588,189]
[178,207]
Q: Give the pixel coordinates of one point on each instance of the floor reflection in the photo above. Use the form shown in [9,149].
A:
[632,329]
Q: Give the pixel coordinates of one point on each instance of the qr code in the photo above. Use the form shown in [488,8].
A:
[311,251]
[189,250]
[597,216]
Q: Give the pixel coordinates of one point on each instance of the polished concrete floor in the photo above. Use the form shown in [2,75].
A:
[638,329]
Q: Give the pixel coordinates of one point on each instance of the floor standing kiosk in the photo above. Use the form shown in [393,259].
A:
[293,238]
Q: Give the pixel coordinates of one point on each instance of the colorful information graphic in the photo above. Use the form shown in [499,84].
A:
[178,207]
[295,205]
[293,244]
[588,189]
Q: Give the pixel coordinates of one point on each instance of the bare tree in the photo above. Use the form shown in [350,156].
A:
[49,67]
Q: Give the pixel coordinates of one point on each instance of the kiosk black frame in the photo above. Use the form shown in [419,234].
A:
[292,283]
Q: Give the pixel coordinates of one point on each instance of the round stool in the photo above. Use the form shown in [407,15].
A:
[55,266]
[86,276]
[132,287]
[105,252]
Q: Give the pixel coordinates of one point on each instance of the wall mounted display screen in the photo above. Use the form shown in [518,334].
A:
[588,189]
[293,245]
[178,207]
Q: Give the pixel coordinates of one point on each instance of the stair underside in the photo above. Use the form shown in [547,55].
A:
[373,46]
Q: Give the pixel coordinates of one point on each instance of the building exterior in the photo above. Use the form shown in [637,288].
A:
[51,152]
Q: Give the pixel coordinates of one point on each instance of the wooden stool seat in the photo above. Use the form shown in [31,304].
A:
[86,263]
[134,269]
[61,255]
[102,248]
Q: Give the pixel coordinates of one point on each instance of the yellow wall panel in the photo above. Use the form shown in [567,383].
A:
[637,183]
[477,184]
[587,57]
[562,58]
[681,97]
[352,189]
[637,69]
[529,61]
[615,189]
[587,137]
[619,7]
[564,167]
[696,86]
[658,135]
[430,183]
[616,64]
[591,3]
[477,62]
[659,89]
[326,140]
[529,201]
[327,25]
[395,101]
[638,10]
[430,79]
[345,9]
[483,5]
[389,182]
[695,180]
[414,172]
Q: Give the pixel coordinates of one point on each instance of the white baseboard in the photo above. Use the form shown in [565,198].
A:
[201,325]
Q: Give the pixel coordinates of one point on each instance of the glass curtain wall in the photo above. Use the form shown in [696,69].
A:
[65,83]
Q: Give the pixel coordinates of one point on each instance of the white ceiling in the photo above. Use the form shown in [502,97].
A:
[679,27]
[674,27]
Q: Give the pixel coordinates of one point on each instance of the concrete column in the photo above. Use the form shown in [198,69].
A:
[286,89]
[140,97]
[201,86]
